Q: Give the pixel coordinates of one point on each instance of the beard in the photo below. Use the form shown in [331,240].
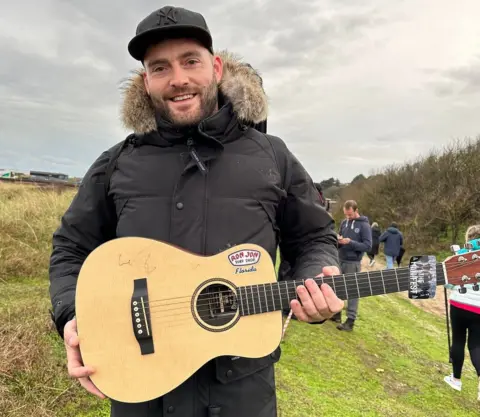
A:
[208,105]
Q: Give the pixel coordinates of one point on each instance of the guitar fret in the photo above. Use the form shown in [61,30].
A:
[398,284]
[288,295]
[358,289]
[369,282]
[259,301]
[266,301]
[345,282]
[241,300]
[253,299]
[246,298]
[280,294]
[273,297]
[333,282]
[444,270]
[383,282]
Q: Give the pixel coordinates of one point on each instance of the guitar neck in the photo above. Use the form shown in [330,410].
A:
[264,298]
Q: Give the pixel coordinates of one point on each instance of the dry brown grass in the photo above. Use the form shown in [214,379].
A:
[33,375]
[24,368]
[28,217]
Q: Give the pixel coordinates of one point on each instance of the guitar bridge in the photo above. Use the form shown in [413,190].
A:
[140,310]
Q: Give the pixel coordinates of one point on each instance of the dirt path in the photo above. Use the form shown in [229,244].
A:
[434,306]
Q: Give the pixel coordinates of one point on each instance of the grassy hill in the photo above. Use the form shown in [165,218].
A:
[391,365]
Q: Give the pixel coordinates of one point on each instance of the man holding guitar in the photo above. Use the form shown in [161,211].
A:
[195,174]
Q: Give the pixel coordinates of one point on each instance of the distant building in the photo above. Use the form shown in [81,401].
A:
[48,176]
[6,173]
[11,173]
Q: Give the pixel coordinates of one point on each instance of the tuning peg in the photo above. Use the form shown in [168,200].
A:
[454,248]
[476,287]
[462,290]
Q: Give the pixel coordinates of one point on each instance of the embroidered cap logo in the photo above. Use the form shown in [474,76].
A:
[167,17]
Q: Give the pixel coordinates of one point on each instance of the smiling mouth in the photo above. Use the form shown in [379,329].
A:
[183,97]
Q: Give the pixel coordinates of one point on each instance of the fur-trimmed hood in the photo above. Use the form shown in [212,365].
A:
[240,84]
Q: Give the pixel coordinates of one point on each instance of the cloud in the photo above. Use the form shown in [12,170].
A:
[461,80]
[353,85]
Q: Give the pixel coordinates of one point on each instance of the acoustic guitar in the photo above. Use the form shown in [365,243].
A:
[150,314]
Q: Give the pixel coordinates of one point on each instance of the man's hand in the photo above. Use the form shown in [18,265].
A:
[74,360]
[344,241]
[319,303]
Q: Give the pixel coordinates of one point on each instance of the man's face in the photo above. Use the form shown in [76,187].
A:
[350,214]
[181,77]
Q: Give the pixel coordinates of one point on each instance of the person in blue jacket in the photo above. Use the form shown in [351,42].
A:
[354,240]
[393,242]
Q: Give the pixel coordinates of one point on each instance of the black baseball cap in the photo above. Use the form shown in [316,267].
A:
[167,23]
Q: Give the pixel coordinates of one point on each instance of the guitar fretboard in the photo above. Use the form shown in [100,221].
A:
[264,298]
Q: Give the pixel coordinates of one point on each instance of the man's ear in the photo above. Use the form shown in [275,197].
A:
[145,82]
[218,67]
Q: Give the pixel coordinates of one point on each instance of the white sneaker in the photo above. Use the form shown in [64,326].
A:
[454,383]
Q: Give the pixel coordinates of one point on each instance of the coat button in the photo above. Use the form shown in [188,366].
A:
[179,206]
[171,409]
[229,373]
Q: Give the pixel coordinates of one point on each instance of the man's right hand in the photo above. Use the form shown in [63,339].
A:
[75,366]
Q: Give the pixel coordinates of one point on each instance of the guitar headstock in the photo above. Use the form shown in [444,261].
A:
[464,269]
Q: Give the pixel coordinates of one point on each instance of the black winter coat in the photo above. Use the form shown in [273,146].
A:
[248,188]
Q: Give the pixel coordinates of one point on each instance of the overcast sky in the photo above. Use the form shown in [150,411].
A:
[354,85]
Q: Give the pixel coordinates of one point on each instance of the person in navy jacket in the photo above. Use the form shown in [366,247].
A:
[393,240]
[354,240]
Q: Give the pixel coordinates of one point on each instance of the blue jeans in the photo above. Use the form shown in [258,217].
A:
[389,261]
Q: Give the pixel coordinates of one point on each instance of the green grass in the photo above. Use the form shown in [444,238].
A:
[391,365]
[33,377]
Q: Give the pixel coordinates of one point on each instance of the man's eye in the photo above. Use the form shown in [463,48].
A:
[192,61]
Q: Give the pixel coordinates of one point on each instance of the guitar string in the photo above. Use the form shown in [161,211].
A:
[398,272]
[264,308]
[167,317]
[260,308]
[282,292]
[275,297]
[276,289]
[255,300]
[187,317]
[279,295]
[400,275]
[253,303]
[348,276]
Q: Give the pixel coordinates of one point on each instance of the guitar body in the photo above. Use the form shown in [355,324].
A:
[149,315]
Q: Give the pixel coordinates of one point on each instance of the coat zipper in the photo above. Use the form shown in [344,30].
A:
[193,153]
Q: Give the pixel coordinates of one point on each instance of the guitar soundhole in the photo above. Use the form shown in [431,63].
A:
[216,305]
